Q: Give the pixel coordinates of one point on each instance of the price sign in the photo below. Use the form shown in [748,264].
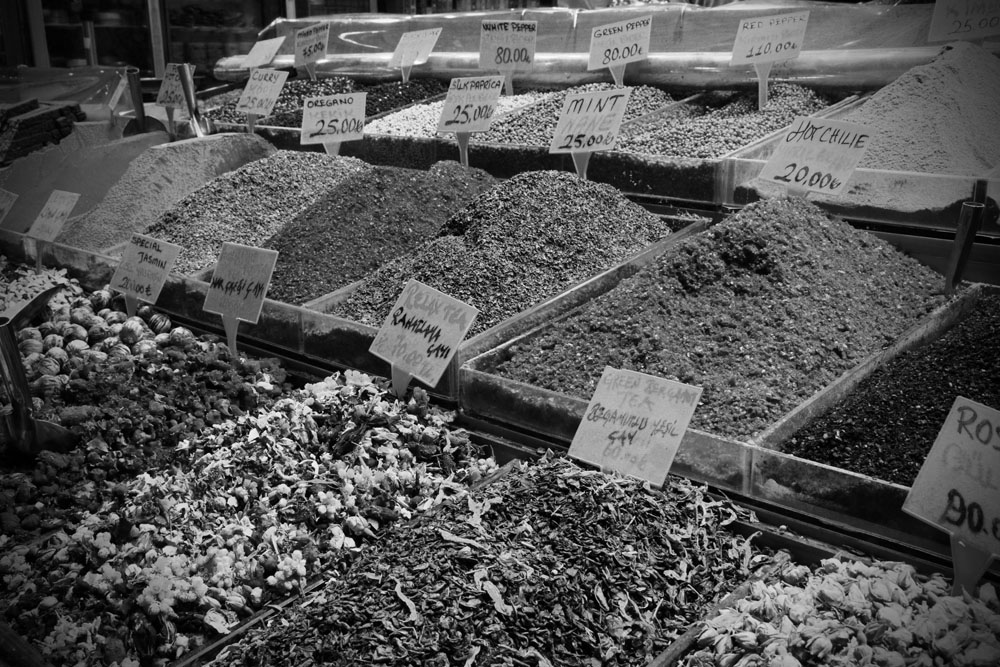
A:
[590,122]
[470,104]
[310,44]
[507,45]
[615,45]
[171,93]
[634,424]
[817,154]
[768,39]
[958,486]
[144,268]
[333,118]
[421,334]
[53,215]
[261,91]
[414,48]
[263,52]
[964,19]
[7,199]
[238,286]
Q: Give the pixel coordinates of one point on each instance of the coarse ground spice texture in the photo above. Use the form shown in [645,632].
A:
[365,221]
[249,205]
[550,565]
[524,240]
[886,427]
[761,311]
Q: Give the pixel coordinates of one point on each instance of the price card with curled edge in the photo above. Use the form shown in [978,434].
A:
[333,118]
[958,488]
[507,45]
[263,52]
[171,93]
[634,424]
[53,215]
[7,199]
[615,45]
[421,334]
[261,92]
[964,19]
[238,286]
[143,269]
[769,39]
[470,104]
[310,44]
[414,48]
[817,154]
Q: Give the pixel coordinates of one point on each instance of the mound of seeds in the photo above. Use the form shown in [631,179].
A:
[421,120]
[287,110]
[761,311]
[387,96]
[249,205]
[550,565]
[526,239]
[712,133]
[534,125]
[365,221]
[886,427]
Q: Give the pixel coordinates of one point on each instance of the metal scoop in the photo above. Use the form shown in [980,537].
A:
[141,123]
[197,126]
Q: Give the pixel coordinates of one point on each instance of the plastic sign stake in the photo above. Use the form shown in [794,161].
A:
[143,270]
[421,335]
[238,286]
[413,48]
[964,19]
[116,96]
[614,45]
[817,155]
[261,94]
[634,424]
[171,93]
[7,199]
[333,119]
[507,46]
[263,52]
[765,40]
[310,47]
[958,489]
[469,107]
[589,122]
[49,223]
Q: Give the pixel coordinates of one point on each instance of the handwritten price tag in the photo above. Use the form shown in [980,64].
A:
[618,44]
[171,93]
[590,122]
[964,19]
[507,45]
[310,43]
[144,268]
[414,48]
[422,332]
[817,154]
[634,424]
[240,281]
[7,199]
[263,52]
[769,39]
[333,118]
[261,92]
[470,104]
[53,215]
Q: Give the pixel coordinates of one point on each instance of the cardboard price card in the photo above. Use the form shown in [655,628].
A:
[240,282]
[620,43]
[333,118]
[507,45]
[144,267]
[769,39]
[470,104]
[171,93]
[634,424]
[964,19]
[421,334]
[590,122]
[7,199]
[414,48]
[263,52]
[310,43]
[53,215]
[261,92]
[817,154]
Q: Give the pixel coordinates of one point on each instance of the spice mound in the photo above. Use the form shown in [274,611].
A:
[761,311]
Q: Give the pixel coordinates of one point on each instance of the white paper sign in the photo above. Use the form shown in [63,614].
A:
[414,48]
[171,93]
[240,282]
[144,267]
[964,19]
[261,92]
[53,215]
[119,90]
[7,199]
[422,332]
[958,486]
[768,39]
[634,424]
[263,52]
[590,122]
[817,154]
[333,118]
[620,43]
[470,104]
[310,43]
[507,45]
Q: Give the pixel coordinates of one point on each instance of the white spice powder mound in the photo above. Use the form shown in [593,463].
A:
[155,181]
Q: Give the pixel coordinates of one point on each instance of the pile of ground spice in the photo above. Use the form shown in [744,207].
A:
[761,311]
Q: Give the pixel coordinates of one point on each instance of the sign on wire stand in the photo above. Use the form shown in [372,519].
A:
[238,286]
[469,107]
[333,119]
[965,20]
[589,122]
[413,48]
[507,46]
[263,52]
[765,40]
[7,199]
[615,45]
[53,215]
[310,46]
[261,94]
[143,270]
[171,93]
